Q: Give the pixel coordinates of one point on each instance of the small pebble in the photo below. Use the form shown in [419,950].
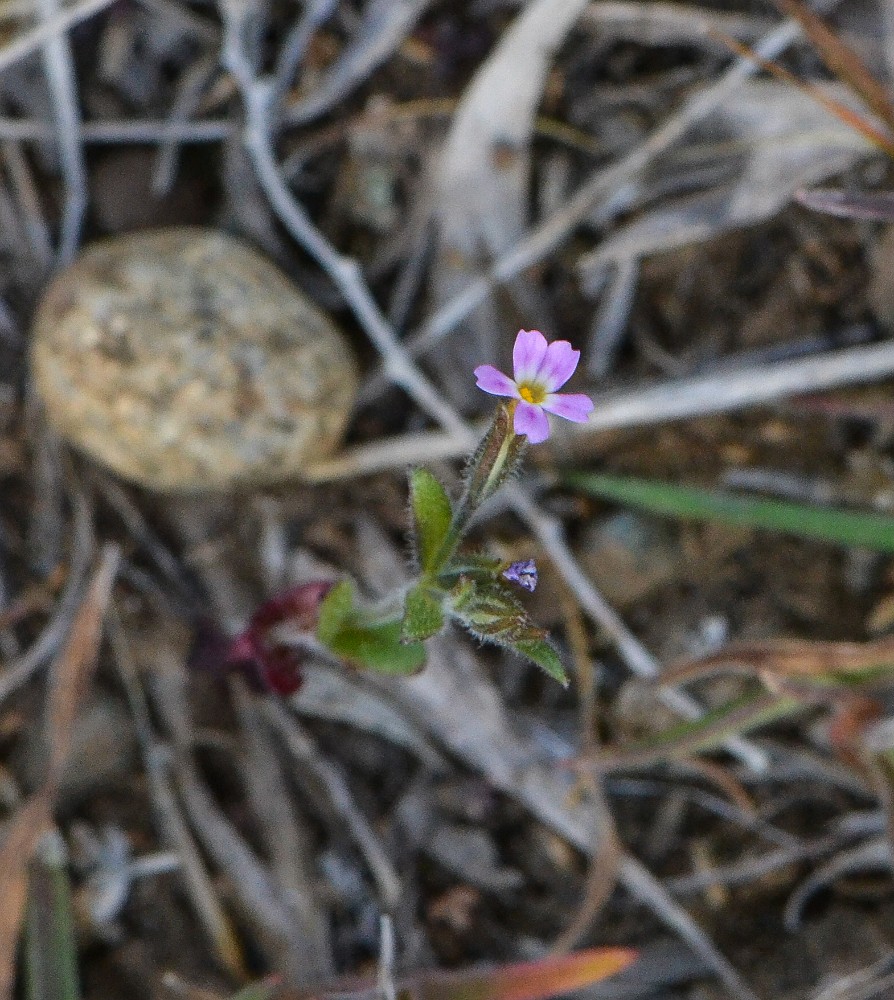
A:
[185,361]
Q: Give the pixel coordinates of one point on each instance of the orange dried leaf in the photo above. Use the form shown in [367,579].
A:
[524,981]
[68,681]
[73,667]
[528,980]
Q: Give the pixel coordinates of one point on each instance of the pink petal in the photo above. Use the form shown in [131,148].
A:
[495,382]
[531,421]
[558,365]
[528,354]
[570,405]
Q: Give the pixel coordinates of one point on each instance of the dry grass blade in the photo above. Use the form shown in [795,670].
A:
[604,865]
[795,659]
[661,23]
[774,137]
[641,883]
[72,670]
[68,683]
[286,840]
[50,953]
[333,786]
[264,905]
[25,829]
[528,980]
[874,206]
[60,73]
[384,26]
[872,855]
[842,112]
[535,980]
[717,727]
[198,884]
[841,59]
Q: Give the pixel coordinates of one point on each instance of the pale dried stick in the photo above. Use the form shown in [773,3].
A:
[305,753]
[174,830]
[30,209]
[29,41]
[604,184]
[671,24]
[606,853]
[640,883]
[47,644]
[751,869]
[113,130]
[60,72]
[293,49]
[345,272]
[261,901]
[190,89]
[684,398]
[286,842]
[390,453]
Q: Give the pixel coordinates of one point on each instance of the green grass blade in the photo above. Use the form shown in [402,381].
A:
[262,990]
[50,953]
[694,736]
[836,527]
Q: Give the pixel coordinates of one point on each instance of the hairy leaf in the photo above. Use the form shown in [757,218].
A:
[423,614]
[335,611]
[541,652]
[432,514]
[361,643]
[489,610]
[493,614]
[475,565]
[378,647]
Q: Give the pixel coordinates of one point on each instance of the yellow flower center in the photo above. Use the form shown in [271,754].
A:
[532,393]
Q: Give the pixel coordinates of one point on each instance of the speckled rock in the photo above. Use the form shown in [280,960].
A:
[183,360]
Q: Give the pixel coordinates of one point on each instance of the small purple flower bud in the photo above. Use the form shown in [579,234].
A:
[523,573]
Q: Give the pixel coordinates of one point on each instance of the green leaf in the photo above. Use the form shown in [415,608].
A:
[497,456]
[541,652]
[335,610]
[488,609]
[477,566]
[837,527]
[378,647]
[493,614]
[432,514]
[423,613]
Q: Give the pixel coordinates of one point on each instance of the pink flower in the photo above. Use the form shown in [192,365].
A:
[539,368]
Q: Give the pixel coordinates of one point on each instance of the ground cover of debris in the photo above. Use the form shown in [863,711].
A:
[715,787]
